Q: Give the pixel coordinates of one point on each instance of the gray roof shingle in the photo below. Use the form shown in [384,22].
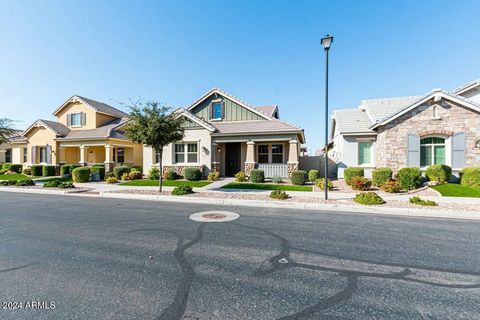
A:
[380,109]
[268,110]
[353,120]
[103,107]
[106,131]
[59,128]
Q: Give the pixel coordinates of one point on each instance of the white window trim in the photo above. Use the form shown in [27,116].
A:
[446,145]
[71,120]
[185,153]
[372,153]
[223,109]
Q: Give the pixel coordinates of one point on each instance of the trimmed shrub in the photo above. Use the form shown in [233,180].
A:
[109,174]
[169,175]
[439,173]
[368,198]
[27,171]
[137,168]
[380,176]
[98,165]
[360,183]
[351,172]
[192,174]
[3,171]
[279,195]
[120,171]
[49,171]
[321,184]
[213,176]
[25,183]
[111,180]
[298,177]
[409,178]
[240,176]
[37,170]
[6,183]
[6,166]
[470,177]
[313,175]
[125,176]
[17,168]
[66,169]
[153,173]
[422,202]
[182,190]
[98,173]
[391,186]
[58,184]
[277,179]
[81,174]
[135,175]
[257,176]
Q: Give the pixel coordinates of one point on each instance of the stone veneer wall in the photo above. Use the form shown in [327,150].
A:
[391,145]
[180,170]
[292,166]
[249,166]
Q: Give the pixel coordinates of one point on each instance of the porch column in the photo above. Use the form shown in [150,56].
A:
[83,155]
[250,158]
[215,163]
[292,157]
[61,155]
[108,158]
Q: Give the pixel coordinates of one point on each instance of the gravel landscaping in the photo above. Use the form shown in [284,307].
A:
[306,199]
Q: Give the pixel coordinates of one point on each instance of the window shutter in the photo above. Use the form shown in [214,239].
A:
[413,150]
[84,118]
[69,120]
[48,156]
[223,110]
[458,150]
[33,154]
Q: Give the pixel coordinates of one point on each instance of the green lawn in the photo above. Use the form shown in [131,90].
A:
[166,183]
[266,186]
[45,179]
[457,190]
[16,176]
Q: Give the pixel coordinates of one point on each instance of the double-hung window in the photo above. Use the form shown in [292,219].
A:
[365,152]
[277,153]
[432,151]
[217,110]
[75,119]
[119,155]
[25,154]
[186,151]
[8,155]
[42,153]
[262,153]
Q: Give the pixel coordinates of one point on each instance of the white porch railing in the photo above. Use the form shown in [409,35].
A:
[274,169]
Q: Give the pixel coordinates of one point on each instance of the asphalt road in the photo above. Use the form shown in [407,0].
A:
[98,258]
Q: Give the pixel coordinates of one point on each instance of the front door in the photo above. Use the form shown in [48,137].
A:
[232,159]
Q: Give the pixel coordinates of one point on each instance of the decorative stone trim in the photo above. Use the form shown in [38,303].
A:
[109,166]
[249,166]
[430,132]
[291,166]
[180,170]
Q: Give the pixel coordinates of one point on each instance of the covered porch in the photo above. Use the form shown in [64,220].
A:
[87,154]
[276,157]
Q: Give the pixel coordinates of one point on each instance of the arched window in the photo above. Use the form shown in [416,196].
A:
[432,151]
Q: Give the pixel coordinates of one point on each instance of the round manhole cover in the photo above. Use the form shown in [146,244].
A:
[214,216]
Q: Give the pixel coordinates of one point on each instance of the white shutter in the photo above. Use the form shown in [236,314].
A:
[84,118]
[413,150]
[458,150]
[48,156]
[34,155]
[69,120]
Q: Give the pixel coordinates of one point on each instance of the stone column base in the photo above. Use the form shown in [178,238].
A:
[109,166]
[292,166]
[249,166]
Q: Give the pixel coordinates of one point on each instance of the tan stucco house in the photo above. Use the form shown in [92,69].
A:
[85,132]
[438,127]
[226,134]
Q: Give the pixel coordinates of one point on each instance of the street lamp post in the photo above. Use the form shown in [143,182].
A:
[326,43]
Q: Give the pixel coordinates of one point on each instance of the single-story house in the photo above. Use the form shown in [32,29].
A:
[226,134]
[439,127]
[85,132]
[6,149]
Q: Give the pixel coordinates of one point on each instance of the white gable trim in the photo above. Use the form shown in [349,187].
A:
[230,97]
[467,87]
[37,124]
[190,116]
[436,95]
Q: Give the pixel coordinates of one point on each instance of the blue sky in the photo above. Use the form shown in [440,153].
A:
[265,52]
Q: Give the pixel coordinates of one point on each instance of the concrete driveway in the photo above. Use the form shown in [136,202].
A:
[98,258]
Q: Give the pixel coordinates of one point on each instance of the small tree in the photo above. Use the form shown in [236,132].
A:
[6,130]
[155,126]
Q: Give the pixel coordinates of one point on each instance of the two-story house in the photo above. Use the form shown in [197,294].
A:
[85,132]
[226,134]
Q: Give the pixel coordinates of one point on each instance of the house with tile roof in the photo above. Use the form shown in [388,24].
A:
[438,127]
[226,134]
[85,132]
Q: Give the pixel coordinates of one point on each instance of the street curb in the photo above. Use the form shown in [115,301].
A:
[409,212]
[41,191]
